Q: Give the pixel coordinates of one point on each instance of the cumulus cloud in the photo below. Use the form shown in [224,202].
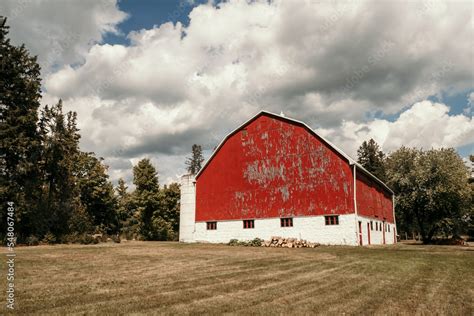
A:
[424,125]
[60,32]
[333,64]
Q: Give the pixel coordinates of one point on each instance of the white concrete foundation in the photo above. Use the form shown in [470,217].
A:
[311,228]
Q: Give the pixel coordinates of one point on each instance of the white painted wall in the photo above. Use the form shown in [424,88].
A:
[187,209]
[376,236]
[311,228]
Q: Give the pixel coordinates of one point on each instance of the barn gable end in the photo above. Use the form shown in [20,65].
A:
[273,167]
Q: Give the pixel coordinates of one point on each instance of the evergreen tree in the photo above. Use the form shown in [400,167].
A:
[97,193]
[19,140]
[121,189]
[60,197]
[123,202]
[129,224]
[146,197]
[372,158]
[194,163]
[169,202]
[470,216]
[145,177]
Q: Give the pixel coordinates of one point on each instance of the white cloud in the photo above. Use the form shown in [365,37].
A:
[424,125]
[60,32]
[332,64]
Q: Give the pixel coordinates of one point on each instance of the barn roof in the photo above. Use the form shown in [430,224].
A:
[303,124]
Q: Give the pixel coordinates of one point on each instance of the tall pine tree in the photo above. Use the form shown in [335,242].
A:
[19,140]
[194,163]
[146,197]
[169,209]
[372,158]
[61,195]
[125,211]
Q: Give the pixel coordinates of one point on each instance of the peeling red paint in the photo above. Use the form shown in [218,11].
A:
[276,168]
[373,200]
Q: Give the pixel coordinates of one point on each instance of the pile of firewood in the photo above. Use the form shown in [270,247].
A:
[288,243]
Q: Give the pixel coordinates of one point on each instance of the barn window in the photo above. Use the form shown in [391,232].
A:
[286,222]
[249,223]
[371,225]
[332,220]
[211,225]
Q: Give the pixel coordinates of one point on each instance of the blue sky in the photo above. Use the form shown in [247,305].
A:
[144,14]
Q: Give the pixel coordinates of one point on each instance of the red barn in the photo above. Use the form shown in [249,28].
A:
[274,176]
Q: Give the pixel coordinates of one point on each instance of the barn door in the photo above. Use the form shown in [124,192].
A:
[368,233]
[360,233]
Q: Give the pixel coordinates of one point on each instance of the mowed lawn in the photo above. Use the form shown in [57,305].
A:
[173,278]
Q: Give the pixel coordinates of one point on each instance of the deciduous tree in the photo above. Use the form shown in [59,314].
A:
[96,192]
[431,189]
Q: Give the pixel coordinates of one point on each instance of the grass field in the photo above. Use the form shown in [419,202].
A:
[172,278]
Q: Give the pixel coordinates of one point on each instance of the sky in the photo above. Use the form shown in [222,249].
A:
[151,78]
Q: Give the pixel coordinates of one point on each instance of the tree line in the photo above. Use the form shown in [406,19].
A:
[60,193]
[63,194]
[434,190]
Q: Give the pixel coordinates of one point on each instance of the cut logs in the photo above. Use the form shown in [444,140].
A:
[288,243]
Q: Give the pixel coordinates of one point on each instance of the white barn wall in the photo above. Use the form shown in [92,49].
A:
[311,228]
[376,236]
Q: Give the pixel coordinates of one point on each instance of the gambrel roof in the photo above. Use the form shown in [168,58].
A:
[304,125]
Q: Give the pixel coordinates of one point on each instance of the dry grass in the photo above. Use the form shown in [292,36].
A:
[172,278]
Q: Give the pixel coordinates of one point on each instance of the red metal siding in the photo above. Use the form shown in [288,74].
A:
[273,168]
[372,199]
